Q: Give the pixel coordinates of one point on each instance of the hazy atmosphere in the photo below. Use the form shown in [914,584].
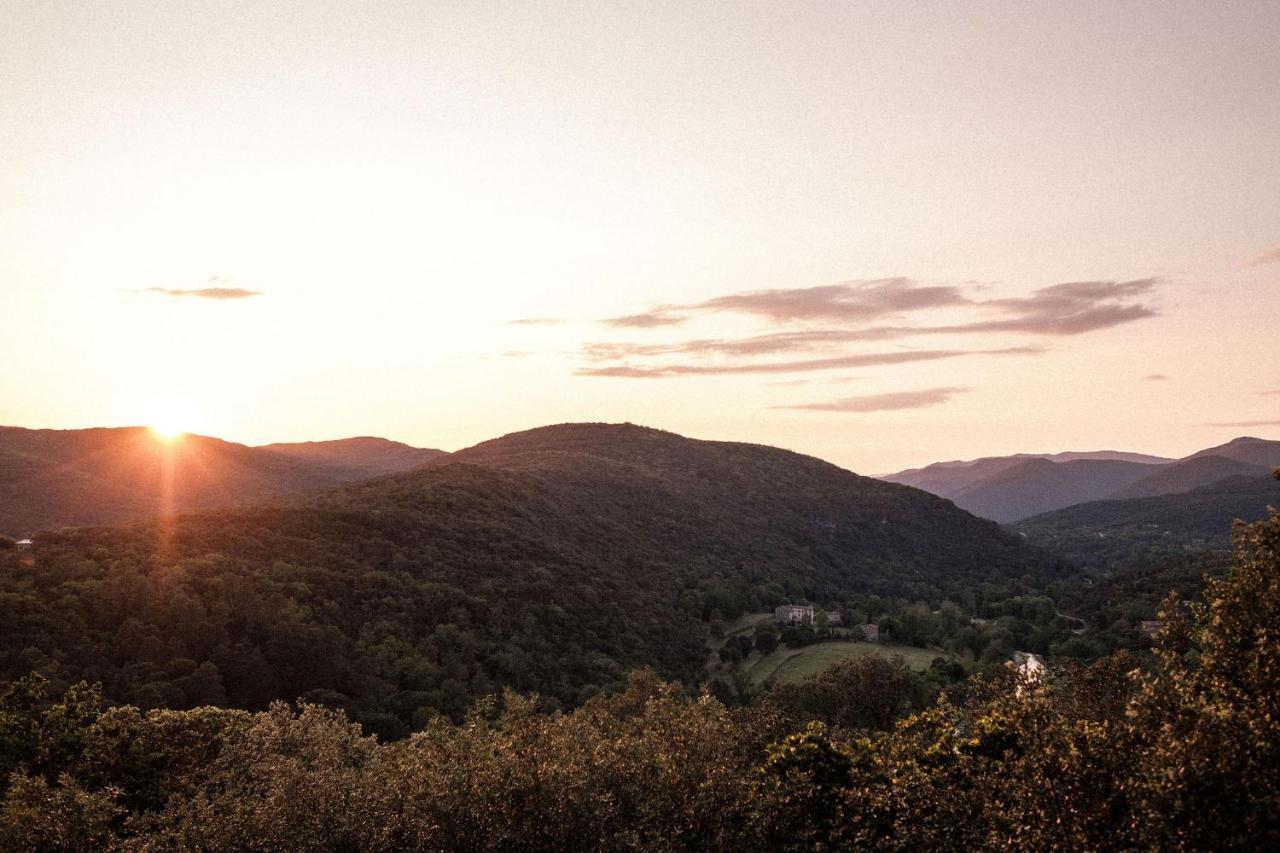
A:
[880,233]
[576,428]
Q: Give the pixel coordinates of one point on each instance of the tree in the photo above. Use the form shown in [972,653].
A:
[767,638]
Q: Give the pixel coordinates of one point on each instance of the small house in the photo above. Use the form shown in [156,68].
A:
[870,633]
[794,614]
[23,544]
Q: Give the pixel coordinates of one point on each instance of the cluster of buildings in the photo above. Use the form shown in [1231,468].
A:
[806,614]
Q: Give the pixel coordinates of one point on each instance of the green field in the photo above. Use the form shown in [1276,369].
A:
[787,664]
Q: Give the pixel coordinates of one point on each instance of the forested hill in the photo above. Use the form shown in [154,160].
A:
[553,560]
[62,478]
[1110,534]
[366,456]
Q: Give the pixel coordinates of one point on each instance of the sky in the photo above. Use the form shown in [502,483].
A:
[882,233]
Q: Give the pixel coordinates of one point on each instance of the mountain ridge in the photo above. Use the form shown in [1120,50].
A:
[1010,488]
[552,560]
[101,475]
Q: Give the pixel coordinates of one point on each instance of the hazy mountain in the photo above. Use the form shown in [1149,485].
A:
[1105,534]
[1039,485]
[1187,474]
[367,455]
[949,478]
[1009,488]
[1255,451]
[552,560]
[56,478]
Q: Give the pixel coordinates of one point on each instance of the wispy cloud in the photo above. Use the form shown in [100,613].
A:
[1270,256]
[1269,393]
[846,301]
[797,366]
[1067,309]
[646,320]
[217,287]
[892,402]
[536,321]
[204,292]
[1155,377]
[1070,308]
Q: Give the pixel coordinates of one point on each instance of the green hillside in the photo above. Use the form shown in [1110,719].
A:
[788,665]
[1109,534]
[554,560]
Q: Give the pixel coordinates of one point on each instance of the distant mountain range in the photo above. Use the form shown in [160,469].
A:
[64,478]
[1010,488]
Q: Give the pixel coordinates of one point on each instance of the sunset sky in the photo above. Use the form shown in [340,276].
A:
[884,233]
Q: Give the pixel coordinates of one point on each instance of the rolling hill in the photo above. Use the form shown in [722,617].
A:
[1254,451]
[1108,534]
[949,478]
[1011,488]
[364,456]
[1041,485]
[552,560]
[1188,474]
[62,478]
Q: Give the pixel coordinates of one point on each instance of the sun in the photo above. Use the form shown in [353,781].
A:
[169,420]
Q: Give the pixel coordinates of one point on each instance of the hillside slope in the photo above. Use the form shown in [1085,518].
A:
[1189,474]
[1012,488]
[64,478]
[1039,485]
[1106,534]
[947,479]
[553,560]
[1254,451]
[367,456]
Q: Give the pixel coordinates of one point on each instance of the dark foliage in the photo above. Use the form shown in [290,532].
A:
[1106,757]
[1111,534]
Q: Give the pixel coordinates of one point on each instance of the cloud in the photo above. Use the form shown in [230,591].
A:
[766,344]
[1270,256]
[1269,393]
[859,312]
[892,402]
[1242,423]
[536,321]
[204,292]
[1071,308]
[1068,309]
[1155,377]
[797,366]
[844,301]
[646,320]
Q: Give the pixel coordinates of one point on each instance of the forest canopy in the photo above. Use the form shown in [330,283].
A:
[1183,755]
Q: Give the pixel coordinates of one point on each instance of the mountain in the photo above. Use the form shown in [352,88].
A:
[1011,488]
[1254,451]
[59,478]
[366,455]
[949,479]
[1107,534]
[553,560]
[1040,485]
[1187,474]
